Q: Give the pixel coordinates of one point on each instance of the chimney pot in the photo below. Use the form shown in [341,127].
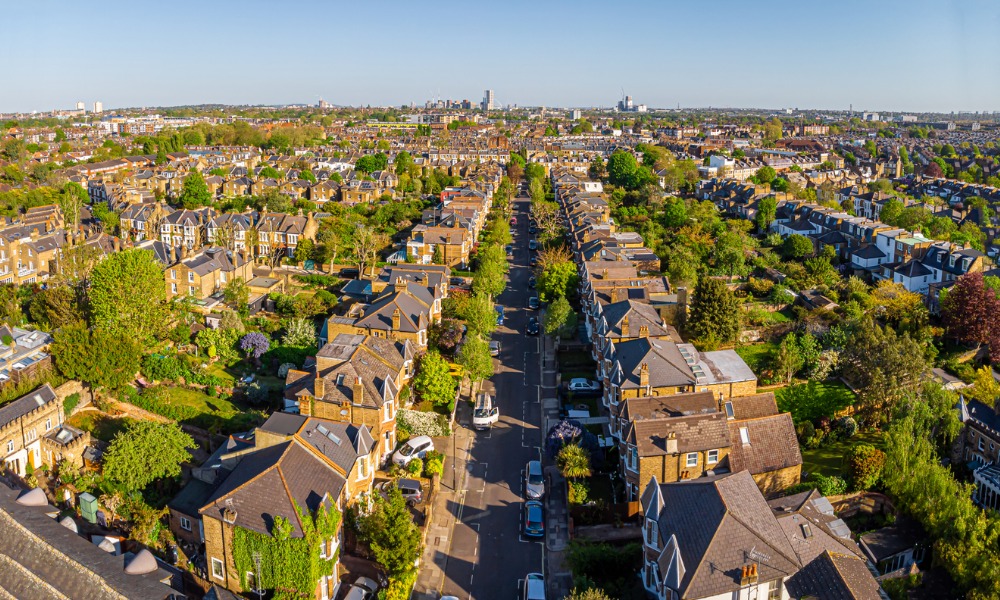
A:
[644,376]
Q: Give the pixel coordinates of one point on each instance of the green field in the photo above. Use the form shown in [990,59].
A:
[213,414]
[829,459]
[814,399]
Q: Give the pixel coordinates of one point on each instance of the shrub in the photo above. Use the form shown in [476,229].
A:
[760,288]
[805,432]
[579,492]
[157,367]
[846,427]
[864,465]
[417,422]
[828,486]
[70,403]
[415,466]
[434,464]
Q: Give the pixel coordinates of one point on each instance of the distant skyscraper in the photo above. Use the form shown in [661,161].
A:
[488,100]
[322,104]
[81,106]
[98,107]
[575,115]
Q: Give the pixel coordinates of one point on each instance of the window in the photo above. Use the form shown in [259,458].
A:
[185,524]
[173,288]
[692,459]
[981,445]
[951,261]
[713,457]
[633,457]
[387,415]
[10,446]
[217,569]
[32,435]
[222,276]
[774,590]
[730,413]
[48,425]
[191,290]
[190,277]
[744,435]
[173,273]
[362,467]
[651,532]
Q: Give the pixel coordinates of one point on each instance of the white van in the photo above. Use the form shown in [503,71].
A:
[534,587]
[485,413]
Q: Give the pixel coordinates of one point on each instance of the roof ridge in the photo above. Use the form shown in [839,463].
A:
[309,448]
[288,492]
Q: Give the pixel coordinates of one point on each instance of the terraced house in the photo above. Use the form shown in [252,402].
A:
[207,272]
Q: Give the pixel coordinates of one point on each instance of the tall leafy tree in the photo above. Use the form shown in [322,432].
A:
[559,319]
[55,307]
[715,314]
[767,210]
[145,452]
[101,358]
[475,359]
[195,192]
[971,311]
[128,295]
[391,533]
[621,168]
[433,380]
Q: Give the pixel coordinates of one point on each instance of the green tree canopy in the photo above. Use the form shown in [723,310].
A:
[127,295]
[391,533]
[433,380]
[622,167]
[102,358]
[194,192]
[475,358]
[715,312]
[146,451]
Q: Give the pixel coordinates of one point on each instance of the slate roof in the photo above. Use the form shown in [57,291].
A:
[342,443]
[39,558]
[26,404]
[835,576]
[665,364]
[674,405]
[721,524]
[772,446]
[752,407]
[269,482]
[694,433]
[638,314]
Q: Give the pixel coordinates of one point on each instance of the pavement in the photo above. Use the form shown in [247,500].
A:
[474,546]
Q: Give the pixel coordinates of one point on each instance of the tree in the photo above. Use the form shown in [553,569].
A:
[237,293]
[475,358]
[102,358]
[797,247]
[883,367]
[765,174]
[403,162]
[391,533]
[367,244]
[559,318]
[145,452]
[773,130]
[891,211]
[55,306]
[621,168]
[255,344]
[371,163]
[971,312]
[195,192]
[715,312]
[788,360]
[300,333]
[558,276]
[433,381]
[767,210]
[864,465]
[573,462]
[128,295]
[478,313]
[588,594]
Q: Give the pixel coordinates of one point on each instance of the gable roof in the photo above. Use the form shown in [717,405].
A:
[772,446]
[835,576]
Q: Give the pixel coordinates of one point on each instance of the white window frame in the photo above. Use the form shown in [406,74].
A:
[691,460]
[362,467]
[190,277]
[185,523]
[222,568]
[745,436]
[713,457]
[10,446]
[48,424]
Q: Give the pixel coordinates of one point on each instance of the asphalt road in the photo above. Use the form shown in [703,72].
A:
[488,555]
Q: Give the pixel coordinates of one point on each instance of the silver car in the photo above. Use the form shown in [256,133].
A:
[534,481]
[363,589]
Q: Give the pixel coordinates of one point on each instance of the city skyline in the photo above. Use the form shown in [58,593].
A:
[887,56]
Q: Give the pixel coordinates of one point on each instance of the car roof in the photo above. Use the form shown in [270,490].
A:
[535,583]
[420,439]
[410,482]
[535,466]
[579,380]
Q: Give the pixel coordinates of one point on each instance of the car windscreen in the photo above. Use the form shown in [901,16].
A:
[535,478]
[481,413]
[407,450]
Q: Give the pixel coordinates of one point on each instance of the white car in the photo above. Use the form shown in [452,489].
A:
[494,348]
[579,384]
[534,481]
[417,447]
[534,587]
[486,413]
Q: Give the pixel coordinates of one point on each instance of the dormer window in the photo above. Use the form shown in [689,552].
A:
[951,261]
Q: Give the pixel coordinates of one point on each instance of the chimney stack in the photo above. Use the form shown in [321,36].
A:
[671,443]
[625,327]
[396,315]
[359,391]
[643,331]
[604,274]
[616,295]
[644,376]
[319,388]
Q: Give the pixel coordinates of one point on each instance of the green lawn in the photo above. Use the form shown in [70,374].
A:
[214,414]
[100,425]
[757,355]
[226,374]
[829,459]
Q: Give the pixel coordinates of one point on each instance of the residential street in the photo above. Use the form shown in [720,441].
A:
[485,555]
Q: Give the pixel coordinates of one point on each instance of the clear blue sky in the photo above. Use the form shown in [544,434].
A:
[878,55]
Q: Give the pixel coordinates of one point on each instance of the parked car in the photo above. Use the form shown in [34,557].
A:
[532,282]
[411,489]
[534,519]
[534,587]
[349,272]
[533,303]
[457,281]
[533,261]
[494,348]
[534,481]
[362,589]
[532,229]
[532,328]
[532,245]
[499,310]
[417,447]
[513,220]
[581,386]
[510,250]
[486,413]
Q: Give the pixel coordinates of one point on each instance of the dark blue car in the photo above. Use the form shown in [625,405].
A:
[499,310]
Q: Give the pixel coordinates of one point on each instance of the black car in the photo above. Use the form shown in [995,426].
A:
[532,230]
[533,261]
[532,281]
[532,328]
[456,281]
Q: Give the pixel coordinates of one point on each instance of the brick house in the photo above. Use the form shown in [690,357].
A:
[31,432]
[403,311]
[206,272]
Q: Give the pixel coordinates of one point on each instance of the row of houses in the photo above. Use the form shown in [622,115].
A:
[699,448]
